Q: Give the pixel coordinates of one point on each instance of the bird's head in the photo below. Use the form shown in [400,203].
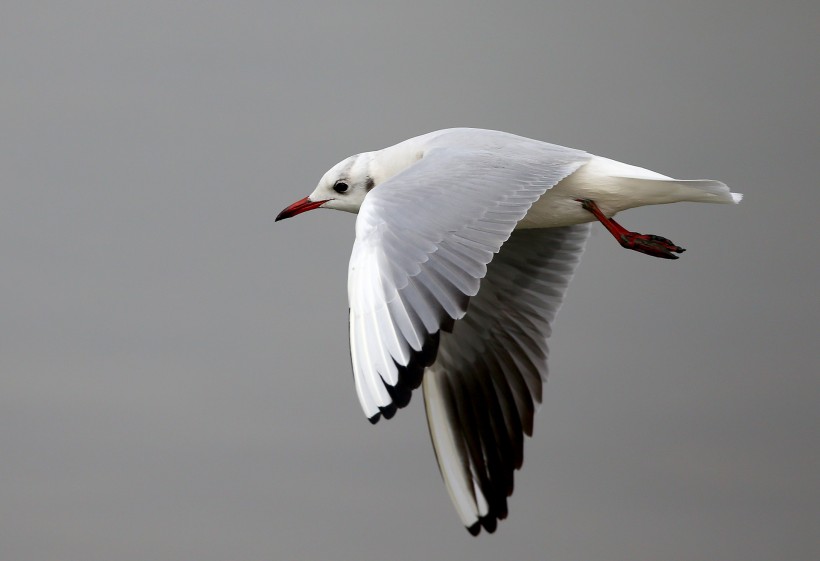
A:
[343,187]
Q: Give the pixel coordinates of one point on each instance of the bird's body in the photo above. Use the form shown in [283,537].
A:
[465,242]
[600,179]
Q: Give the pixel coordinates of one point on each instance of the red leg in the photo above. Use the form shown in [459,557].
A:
[644,243]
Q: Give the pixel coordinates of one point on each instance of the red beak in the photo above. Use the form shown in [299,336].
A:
[299,207]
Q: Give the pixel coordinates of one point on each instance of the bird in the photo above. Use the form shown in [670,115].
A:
[466,240]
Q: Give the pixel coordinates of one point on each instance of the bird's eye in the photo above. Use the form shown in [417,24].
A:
[341,187]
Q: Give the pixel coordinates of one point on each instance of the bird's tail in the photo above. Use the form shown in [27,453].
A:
[646,187]
[668,190]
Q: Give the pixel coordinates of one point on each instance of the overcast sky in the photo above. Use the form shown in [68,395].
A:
[174,373]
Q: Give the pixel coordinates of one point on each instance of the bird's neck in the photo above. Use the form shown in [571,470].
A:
[393,160]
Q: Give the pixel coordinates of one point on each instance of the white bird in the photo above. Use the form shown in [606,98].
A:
[466,240]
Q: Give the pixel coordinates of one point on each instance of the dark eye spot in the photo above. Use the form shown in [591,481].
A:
[341,187]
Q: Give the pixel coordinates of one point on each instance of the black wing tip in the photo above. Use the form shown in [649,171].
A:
[409,379]
[489,523]
[388,410]
[400,394]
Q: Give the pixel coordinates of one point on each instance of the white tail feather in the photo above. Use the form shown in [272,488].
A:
[661,191]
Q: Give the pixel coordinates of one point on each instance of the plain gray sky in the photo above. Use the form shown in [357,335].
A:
[174,373]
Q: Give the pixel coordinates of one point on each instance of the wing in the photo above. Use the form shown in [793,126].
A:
[424,239]
[481,392]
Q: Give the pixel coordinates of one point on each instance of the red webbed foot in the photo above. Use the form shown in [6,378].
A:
[649,244]
[655,246]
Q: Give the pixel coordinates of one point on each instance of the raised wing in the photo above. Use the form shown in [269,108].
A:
[424,239]
[481,392]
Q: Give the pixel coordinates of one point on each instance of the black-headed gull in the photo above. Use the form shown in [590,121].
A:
[466,240]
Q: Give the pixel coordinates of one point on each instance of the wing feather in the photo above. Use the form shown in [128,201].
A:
[428,292]
[496,362]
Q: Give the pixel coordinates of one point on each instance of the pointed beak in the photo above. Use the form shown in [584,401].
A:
[299,207]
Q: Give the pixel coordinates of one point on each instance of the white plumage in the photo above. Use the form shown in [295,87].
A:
[466,240]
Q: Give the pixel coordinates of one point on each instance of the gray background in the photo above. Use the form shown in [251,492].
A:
[175,379]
